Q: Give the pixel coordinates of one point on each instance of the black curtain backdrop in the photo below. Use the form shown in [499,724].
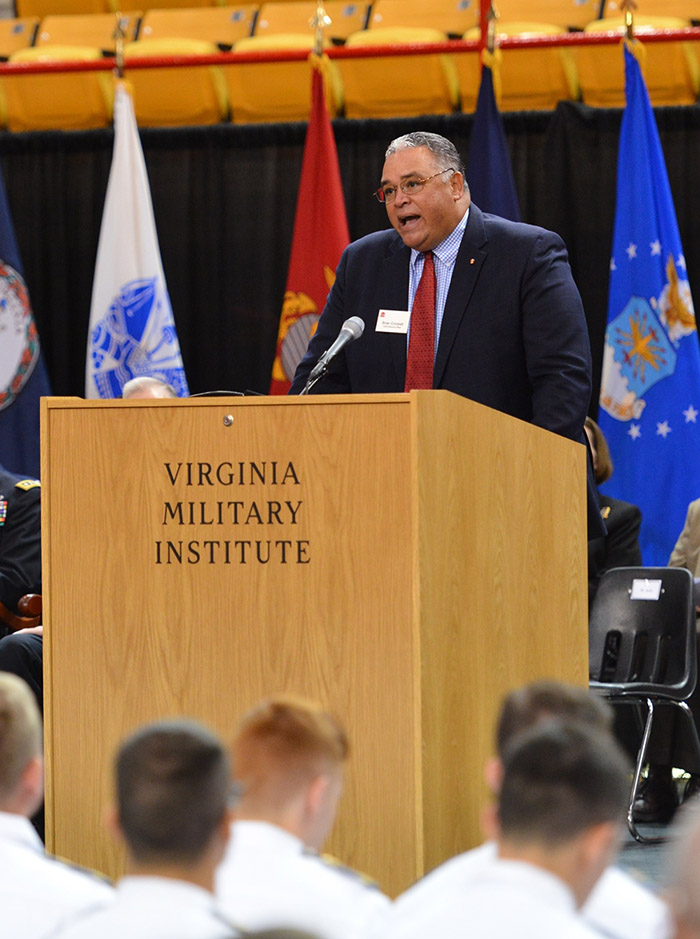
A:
[224,199]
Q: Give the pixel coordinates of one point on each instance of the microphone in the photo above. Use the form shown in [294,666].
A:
[352,329]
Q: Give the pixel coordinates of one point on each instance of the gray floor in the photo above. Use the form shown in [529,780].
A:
[646,862]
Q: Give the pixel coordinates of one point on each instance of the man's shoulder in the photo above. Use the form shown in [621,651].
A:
[14,482]
[346,879]
[497,226]
[385,240]
[625,908]
[447,879]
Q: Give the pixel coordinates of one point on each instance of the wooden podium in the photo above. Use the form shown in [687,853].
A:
[405,559]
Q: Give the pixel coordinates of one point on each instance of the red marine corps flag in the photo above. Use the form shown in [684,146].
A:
[320,236]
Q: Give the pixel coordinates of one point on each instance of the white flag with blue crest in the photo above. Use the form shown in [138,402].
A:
[132,330]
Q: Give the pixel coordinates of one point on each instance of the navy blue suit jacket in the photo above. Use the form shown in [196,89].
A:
[513,336]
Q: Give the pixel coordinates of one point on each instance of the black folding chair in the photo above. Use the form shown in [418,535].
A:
[643,648]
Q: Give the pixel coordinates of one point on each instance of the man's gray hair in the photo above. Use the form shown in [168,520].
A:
[148,383]
[444,151]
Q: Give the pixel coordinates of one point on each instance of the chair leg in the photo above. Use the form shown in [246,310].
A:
[641,760]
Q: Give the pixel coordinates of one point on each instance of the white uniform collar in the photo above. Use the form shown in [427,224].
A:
[258,832]
[19,829]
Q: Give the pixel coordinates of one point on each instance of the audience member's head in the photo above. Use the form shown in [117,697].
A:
[173,787]
[289,757]
[562,800]
[602,461]
[683,874]
[21,763]
[143,386]
[549,700]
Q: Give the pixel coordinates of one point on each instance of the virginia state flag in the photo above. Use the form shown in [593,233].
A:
[489,173]
[23,378]
[320,237]
[132,331]
[650,388]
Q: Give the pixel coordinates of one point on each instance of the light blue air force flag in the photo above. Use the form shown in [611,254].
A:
[23,378]
[650,387]
[132,331]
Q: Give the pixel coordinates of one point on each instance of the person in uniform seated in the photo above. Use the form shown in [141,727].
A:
[559,821]
[37,891]
[173,790]
[289,757]
[619,906]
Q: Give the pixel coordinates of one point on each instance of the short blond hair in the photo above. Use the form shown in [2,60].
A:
[281,745]
[20,732]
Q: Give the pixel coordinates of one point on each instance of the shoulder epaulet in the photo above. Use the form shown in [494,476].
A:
[27,484]
[332,862]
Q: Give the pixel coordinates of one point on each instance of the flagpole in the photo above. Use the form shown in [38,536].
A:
[120,36]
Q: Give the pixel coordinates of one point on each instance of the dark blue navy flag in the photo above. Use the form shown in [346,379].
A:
[489,172]
[23,378]
[650,387]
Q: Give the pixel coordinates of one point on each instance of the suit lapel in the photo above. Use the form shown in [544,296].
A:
[470,257]
[393,295]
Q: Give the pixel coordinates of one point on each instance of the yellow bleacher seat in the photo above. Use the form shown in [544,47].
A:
[569,14]
[73,101]
[670,70]
[531,79]
[176,96]
[42,8]
[398,86]
[16,34]
[294,17]
[688,10]
[277,91]
[222,25]
[453,17]
[89,29]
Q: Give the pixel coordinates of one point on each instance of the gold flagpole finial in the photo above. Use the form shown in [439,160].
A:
[629,6]
[120,36]
[319,21]
[491,20]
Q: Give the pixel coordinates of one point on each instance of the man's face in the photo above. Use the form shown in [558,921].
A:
[426,218]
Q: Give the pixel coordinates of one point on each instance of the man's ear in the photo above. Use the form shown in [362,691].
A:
[110,819]
[493,774]
[316,793]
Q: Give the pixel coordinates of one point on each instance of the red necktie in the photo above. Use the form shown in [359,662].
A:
[421,343]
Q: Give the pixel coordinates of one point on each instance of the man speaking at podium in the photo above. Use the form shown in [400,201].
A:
[494,316]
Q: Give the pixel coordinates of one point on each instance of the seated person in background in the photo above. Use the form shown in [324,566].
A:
[669,745]
[37,892]
[20,573]
[289,757]
[558,824]
[20,539]
[619,907]
[143,386]
[620,547]
[173,789]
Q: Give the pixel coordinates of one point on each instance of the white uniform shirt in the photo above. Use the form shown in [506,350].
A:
[154,908]
[618,907]
[269,879]
[37,892]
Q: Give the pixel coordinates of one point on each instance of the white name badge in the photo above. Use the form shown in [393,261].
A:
[393,321]
[645,589]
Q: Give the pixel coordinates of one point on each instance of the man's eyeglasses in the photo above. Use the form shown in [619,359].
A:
[387,194]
